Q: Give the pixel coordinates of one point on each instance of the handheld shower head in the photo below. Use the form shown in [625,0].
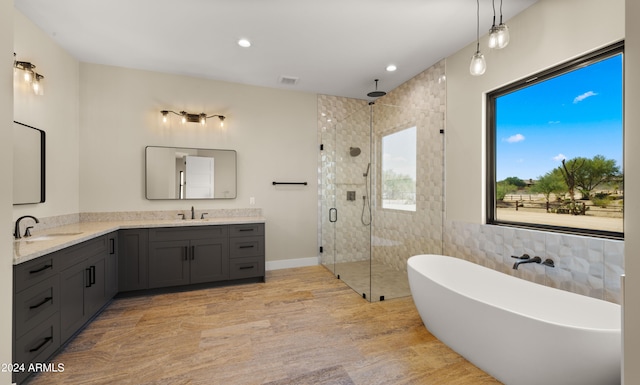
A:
[366,173]
[354,151]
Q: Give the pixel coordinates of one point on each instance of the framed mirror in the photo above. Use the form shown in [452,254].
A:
[28,164]
[189,173]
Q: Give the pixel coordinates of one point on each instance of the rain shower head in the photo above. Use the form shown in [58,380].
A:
[376,93]
[354,151]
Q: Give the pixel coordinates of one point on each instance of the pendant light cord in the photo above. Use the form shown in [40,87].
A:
[478,26]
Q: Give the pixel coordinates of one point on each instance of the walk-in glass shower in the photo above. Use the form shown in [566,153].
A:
[382,196]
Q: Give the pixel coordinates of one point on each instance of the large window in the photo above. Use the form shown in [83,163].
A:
[555,145]
[399,170]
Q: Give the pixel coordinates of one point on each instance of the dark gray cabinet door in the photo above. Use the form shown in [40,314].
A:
[209,261]
[72,283]
[95,291]
[168,263]
[133,247]
[111,266]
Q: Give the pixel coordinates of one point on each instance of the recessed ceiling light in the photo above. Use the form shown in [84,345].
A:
[244,43]
[391,68]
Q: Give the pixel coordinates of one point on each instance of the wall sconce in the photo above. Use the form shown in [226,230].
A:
[30,77]
[192,118]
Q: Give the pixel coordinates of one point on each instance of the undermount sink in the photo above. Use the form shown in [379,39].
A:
[48,237]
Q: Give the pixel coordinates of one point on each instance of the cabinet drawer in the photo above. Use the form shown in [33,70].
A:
[246,230]
[246,268]
[31,272]
[246,247]
[35,304]
[191,232]
[37,345]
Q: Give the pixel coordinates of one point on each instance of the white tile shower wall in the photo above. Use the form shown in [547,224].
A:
[584,265]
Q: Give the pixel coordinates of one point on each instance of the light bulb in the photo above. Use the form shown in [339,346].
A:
[165,116]
[184,119]
[502,36]
[28,76]
[478,64]
[36,86]
[203,119]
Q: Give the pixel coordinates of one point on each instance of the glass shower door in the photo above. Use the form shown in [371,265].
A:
[346,193]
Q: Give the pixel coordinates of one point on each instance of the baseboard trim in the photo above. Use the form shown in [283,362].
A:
[290,263]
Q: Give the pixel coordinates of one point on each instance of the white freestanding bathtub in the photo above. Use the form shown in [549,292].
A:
[518,331]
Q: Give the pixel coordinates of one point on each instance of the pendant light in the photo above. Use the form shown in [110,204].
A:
[478,64]
[493,31]
[503,32]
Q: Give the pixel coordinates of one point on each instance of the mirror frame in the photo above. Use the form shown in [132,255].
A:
[16,168]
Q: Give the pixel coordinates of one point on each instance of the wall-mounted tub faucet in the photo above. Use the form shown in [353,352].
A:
[202,215]
[16,231]
[181,215]
[525,259]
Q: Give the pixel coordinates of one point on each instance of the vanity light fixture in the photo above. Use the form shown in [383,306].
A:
[193,118]
[30,76]
[478,64]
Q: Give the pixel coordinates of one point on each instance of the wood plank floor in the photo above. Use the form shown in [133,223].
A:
[303,326]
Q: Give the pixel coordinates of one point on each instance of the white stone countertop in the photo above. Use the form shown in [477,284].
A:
[57,238]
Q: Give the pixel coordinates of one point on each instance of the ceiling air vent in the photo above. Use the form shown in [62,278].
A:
[288,80]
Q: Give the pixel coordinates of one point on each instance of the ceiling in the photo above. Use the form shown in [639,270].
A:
[333,47]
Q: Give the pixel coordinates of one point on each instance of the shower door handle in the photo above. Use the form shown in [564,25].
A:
[333,215]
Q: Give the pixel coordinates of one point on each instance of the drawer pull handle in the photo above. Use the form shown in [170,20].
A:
[41,303]
[43,268]
[41,345]
[246,267]
[92,278]
[88,277]
[246,247]
[245,229]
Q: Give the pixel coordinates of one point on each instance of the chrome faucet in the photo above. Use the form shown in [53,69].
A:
[16,231]
[525,259]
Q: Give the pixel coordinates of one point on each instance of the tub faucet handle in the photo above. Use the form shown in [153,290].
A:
[549,262]
[524,256]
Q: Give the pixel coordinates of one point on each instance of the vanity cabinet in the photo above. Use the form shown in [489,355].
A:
[55,295]
[188,255]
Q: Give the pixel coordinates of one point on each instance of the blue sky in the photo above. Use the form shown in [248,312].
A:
[576,114]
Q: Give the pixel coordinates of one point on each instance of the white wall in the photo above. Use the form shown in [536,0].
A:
[55,112]
[6,192]
[273,132]
[632,188]
[548,33]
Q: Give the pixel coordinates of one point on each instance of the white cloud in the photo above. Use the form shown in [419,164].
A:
[515,138]
[582,97]
[554,122]
[559,157]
